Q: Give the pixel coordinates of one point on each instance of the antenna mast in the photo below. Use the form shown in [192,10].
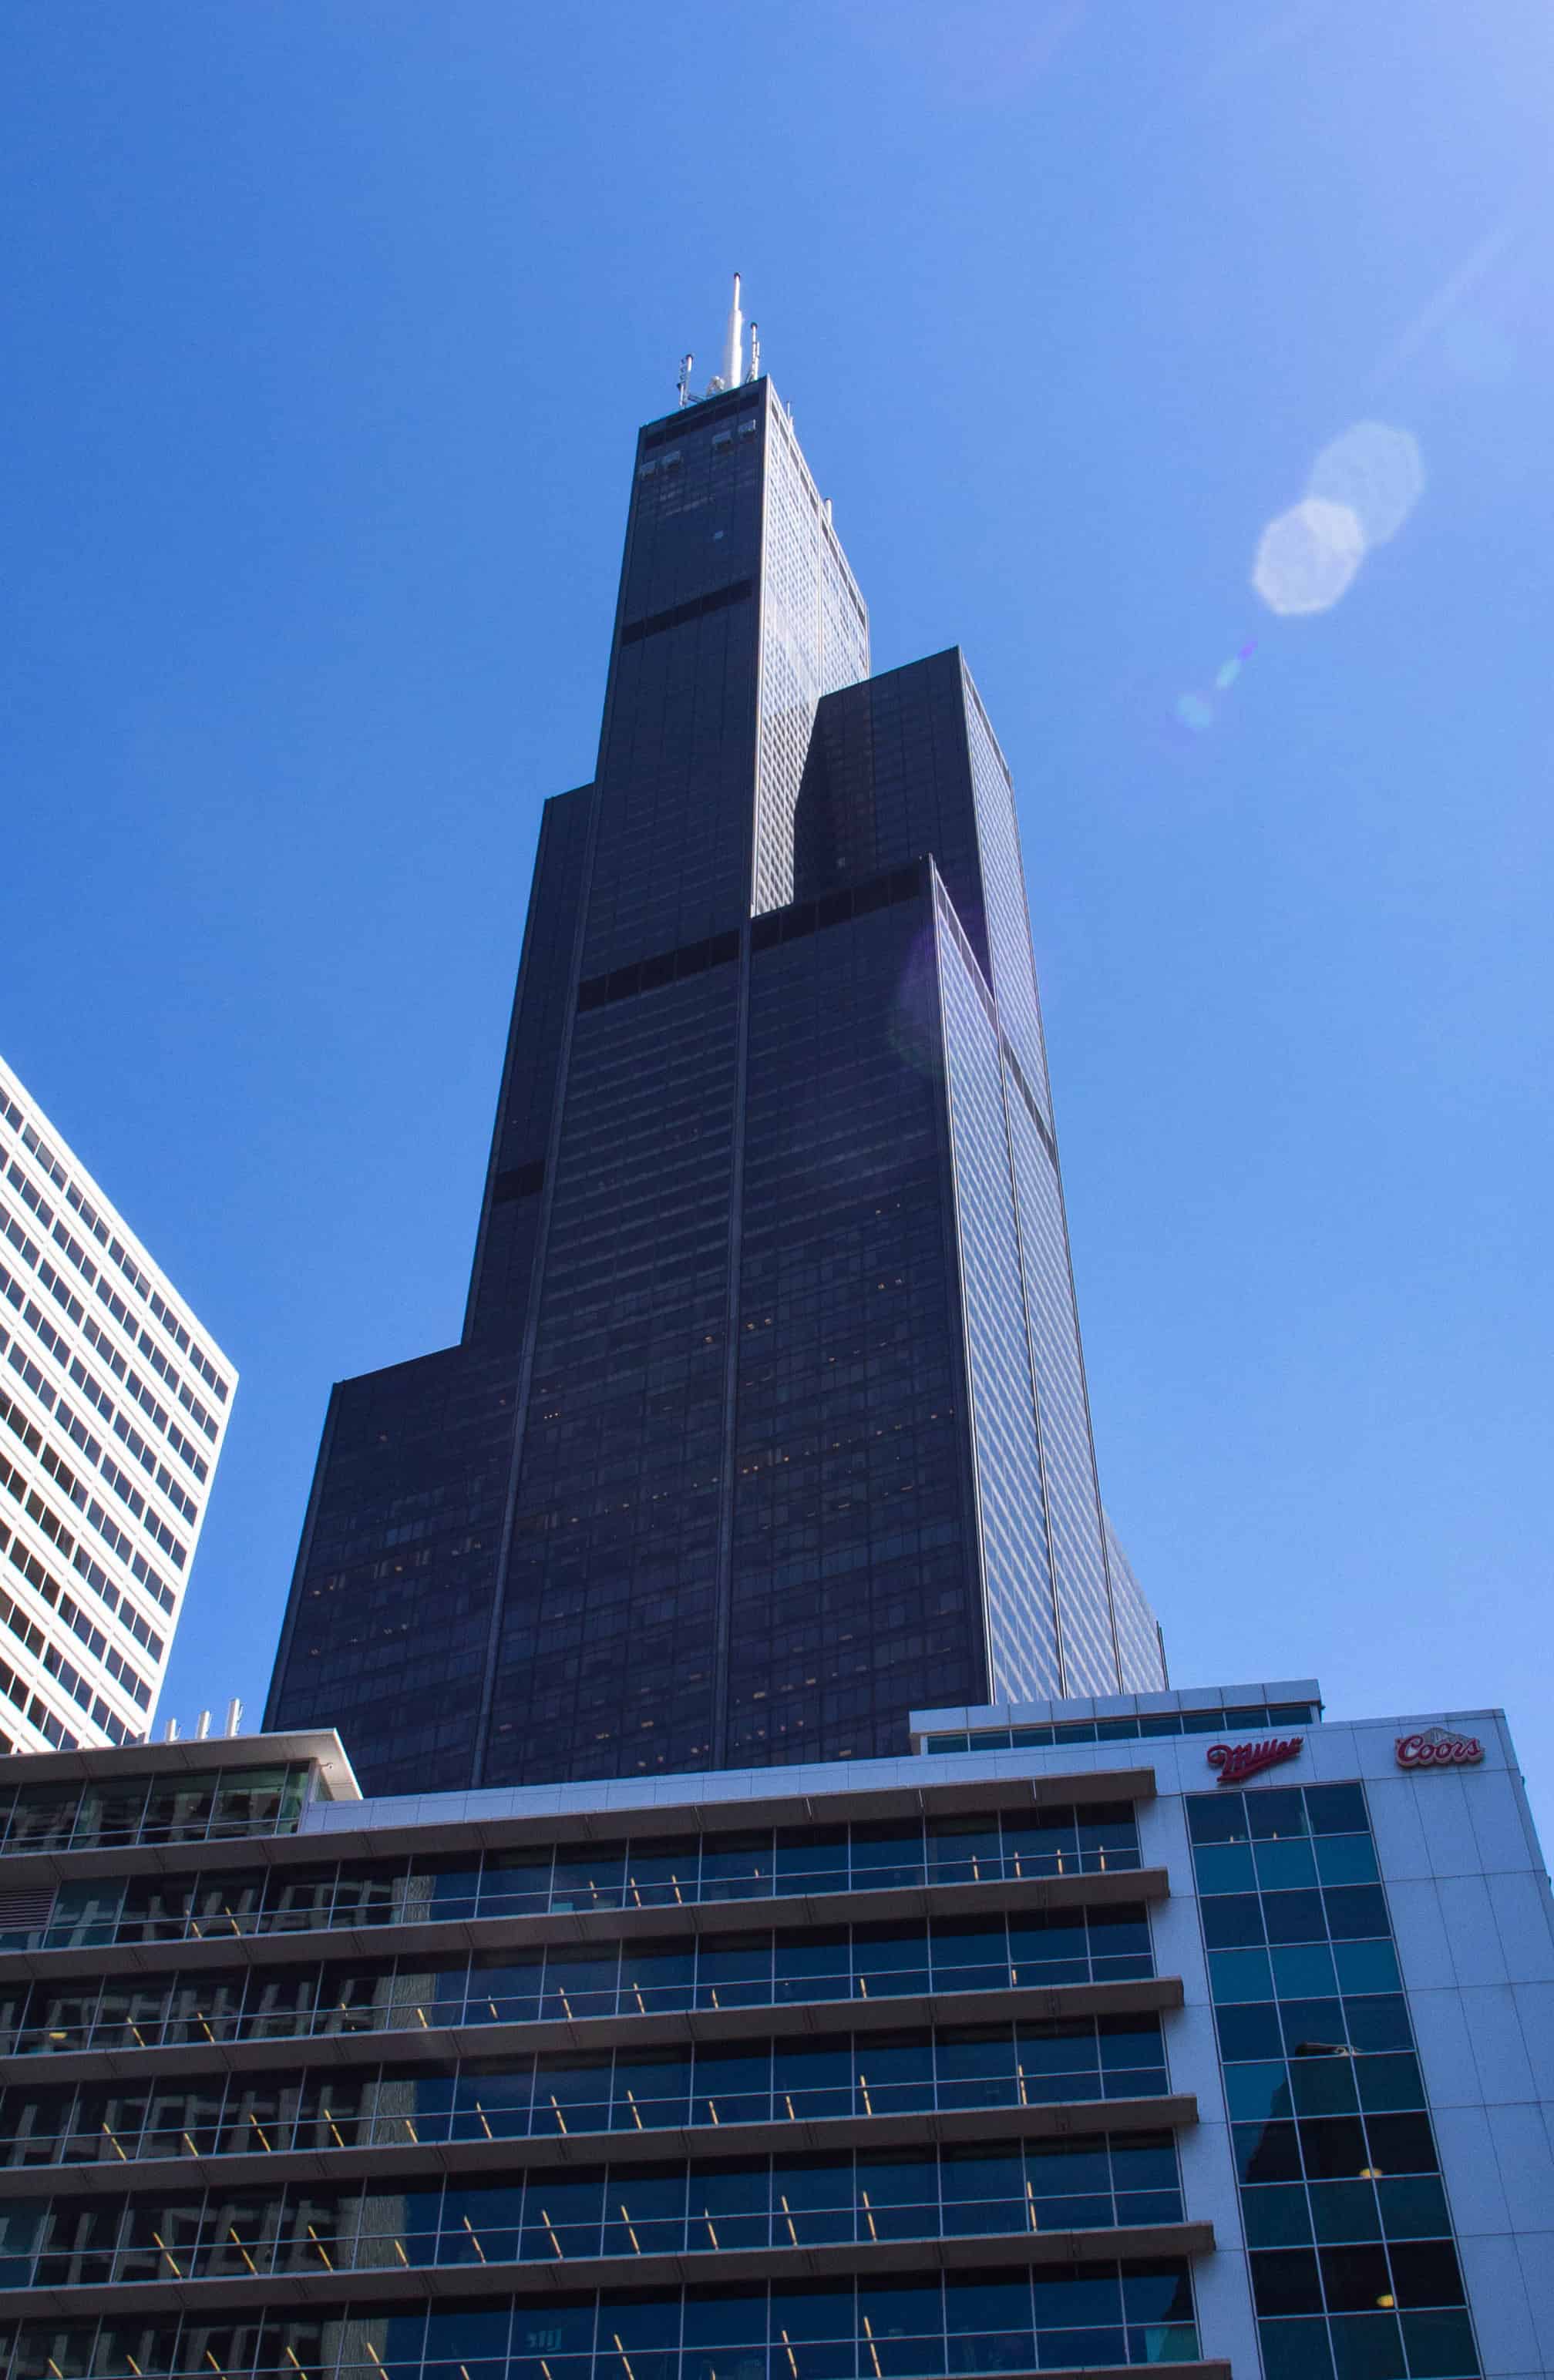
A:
[734,344]
[733,372]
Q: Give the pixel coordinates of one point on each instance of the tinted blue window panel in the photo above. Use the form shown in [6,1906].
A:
[1016,1567]
[1140,1655]
[604,1662]
[854,1584]
[1004,889]
[1073,1504]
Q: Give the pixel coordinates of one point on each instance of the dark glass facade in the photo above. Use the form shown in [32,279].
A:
[768,1420]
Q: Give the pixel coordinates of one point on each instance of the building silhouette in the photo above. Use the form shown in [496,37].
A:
[769,1418]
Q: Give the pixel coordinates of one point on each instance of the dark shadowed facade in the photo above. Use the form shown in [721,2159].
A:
[768,1419]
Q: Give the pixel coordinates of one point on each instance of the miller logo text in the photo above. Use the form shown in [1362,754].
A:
[1235,1761]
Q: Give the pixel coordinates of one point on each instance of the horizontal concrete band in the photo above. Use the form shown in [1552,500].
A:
[405,2163]
[447,1939]
[1213,2370]
[445,1831]
[196,1756]
[391,2284]
[779,2019]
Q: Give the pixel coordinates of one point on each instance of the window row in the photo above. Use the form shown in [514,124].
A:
[1037,2062]
[1333,2213]
[1348,1913]
[1334,2148]
[1252,1719]
[566,1982]
[1334,2085]
[1275,1813]
[1383,2346]
[78,1813]
[1283,1863]
[1304,1970]
[725,2205]
[534,1880]
[1105,2313]
[1357,2279]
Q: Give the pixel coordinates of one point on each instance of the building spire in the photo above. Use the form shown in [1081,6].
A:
[733,343]
[735,373]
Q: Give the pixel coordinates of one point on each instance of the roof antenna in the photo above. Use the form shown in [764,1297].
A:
[754,372]
[684,383]
[734,344]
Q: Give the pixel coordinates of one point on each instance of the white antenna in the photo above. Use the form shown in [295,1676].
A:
[684,383]
[202,1727]
[170,1732]
[734,344]
[234,1715]
[754,372]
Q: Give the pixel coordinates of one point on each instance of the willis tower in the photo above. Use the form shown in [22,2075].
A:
[768,1422]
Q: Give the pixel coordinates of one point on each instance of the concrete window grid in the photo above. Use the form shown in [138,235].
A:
[38,1157]
[58,1346]
[112,1692]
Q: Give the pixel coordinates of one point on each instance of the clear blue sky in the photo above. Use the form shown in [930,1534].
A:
[330,326]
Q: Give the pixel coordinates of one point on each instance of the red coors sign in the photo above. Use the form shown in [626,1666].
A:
[1438,1747]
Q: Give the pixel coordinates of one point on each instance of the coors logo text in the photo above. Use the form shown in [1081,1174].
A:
[1436,1747]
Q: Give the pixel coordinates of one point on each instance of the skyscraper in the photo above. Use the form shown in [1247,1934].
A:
[114,1403]
[769,1418]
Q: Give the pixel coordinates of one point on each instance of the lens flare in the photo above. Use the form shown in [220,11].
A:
[1362,488]
[1308,556]
[1375,472]
[1199,711]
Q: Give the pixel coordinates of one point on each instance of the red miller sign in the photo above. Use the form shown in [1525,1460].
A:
[1436,1747]
[1236,1761]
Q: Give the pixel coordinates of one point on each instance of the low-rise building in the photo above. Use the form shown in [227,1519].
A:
[1183,2029]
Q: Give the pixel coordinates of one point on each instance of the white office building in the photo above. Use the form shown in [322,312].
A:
[114,1404]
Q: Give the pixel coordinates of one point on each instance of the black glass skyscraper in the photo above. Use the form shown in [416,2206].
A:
[768,1419]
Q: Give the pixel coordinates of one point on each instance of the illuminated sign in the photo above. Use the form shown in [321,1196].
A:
[1235,1761]
[1436,1747]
